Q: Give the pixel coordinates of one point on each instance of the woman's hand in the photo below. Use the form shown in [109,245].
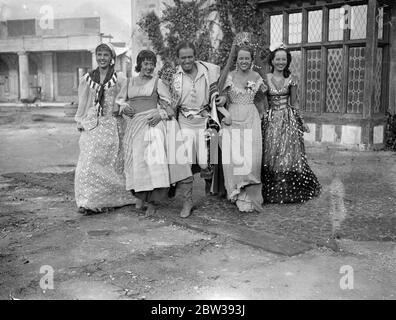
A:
[171,113]
[154,119]
[227,121]
[129,111]
[116,110]
[220,101]
[306,128]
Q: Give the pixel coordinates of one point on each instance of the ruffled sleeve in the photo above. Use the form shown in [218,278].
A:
[85,100]
[164,92]
[293,81]
[121,98]
[261,85]
[228,83]
[164,100]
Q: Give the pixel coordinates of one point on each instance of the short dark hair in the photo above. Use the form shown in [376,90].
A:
[145,55]
[286,71]
[185,45]
[247,49]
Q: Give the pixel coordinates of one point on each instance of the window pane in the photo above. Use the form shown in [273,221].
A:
[380,21]
[314,60]
[358,22]
[377,84]
[295,27]
[315,26]
[336,31]
[334,80]
[276,32]
[356,80]
[296,69]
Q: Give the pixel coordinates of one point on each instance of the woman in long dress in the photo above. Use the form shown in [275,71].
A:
[286,175]
[99,178]
[241,133]
[154,158]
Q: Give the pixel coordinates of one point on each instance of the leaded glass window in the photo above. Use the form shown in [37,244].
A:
[315,19]
[377,82]
[313,85]
[356,70]
[295,27]
[336,31]
[334,80]
[276,28]
[358,22]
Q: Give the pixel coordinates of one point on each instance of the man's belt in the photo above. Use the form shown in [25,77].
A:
[187,111]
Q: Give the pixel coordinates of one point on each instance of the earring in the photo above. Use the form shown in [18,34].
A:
[236,66]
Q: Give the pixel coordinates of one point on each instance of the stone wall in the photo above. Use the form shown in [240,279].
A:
[67,64]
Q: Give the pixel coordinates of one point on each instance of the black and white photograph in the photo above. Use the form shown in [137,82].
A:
[197,155]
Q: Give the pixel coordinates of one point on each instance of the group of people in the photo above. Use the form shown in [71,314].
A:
[143,139]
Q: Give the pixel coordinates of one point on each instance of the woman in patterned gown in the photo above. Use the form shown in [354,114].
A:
[152,130]
[241,133]
[285,173]
[99,178]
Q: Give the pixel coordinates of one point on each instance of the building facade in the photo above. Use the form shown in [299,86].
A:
[48,61]
[344,53]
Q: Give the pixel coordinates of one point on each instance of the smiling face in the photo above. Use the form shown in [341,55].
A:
[187,59]
[148,67]
[280,60]
[244,60]
[103,58]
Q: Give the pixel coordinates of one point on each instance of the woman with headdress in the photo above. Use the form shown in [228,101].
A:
[286,175]
[154,156]
[99,178]
[241,130]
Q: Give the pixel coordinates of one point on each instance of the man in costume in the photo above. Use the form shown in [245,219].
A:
[192,91]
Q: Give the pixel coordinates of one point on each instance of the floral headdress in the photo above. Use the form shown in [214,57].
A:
[276,46]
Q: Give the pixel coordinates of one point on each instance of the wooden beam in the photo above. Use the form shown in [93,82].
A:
[370,59]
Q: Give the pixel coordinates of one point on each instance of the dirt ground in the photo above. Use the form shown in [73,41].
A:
[289,252]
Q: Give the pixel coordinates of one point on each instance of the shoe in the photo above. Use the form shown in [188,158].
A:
[82,210]
[151,209]
[208,186]
[187,208]
[139,204]
[87,212]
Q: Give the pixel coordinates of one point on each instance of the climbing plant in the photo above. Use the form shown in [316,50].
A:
[187,20]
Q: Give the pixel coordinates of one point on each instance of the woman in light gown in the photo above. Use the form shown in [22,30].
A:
[241,132]
[151,131]
[286,175]
[99,178]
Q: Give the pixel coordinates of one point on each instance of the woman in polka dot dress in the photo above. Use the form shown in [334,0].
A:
[285,174]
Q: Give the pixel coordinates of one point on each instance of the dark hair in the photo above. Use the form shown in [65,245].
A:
[247,49]
[185,45]
[145,55]
[286,71]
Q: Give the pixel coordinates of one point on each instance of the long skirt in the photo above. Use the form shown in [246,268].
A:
[286,175]
[99,178]
[155,157]
[241,156]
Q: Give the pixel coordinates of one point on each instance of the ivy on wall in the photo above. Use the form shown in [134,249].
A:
[187,20]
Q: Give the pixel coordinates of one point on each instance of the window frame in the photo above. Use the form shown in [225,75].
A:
[345,45]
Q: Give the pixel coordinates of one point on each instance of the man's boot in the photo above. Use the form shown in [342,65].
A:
[187,209]
[208,186]
[184,189]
